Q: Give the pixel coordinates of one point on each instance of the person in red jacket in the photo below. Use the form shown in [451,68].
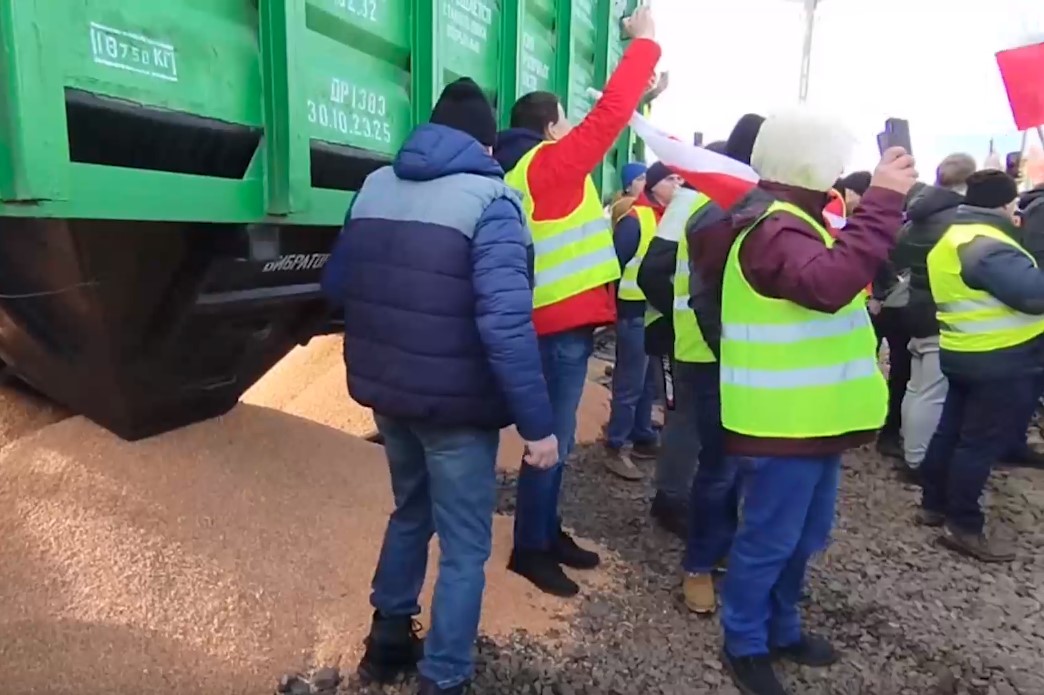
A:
[550,162]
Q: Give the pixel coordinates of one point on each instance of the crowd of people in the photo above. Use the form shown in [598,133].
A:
[473,271]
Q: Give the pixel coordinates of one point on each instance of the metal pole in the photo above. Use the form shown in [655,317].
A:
[806,53]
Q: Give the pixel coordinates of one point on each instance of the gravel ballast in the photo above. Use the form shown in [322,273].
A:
[219,557]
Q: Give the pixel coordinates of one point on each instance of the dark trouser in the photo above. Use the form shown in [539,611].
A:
[1021,424]
[889,325]
[788,512]
[974,431]
[714,496]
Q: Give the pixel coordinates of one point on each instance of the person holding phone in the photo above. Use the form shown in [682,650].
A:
[799,381]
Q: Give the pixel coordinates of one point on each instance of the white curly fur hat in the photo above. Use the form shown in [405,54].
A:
[800,147]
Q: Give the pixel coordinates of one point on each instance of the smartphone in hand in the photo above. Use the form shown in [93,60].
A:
[898,130]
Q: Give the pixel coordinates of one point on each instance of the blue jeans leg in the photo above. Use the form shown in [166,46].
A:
[714,501]
[777,495]
[1025,415]
[565,357]
[989,409]
[630,412]
[403,560]
[680,445]
[461,489]
[936,464]
[785,626]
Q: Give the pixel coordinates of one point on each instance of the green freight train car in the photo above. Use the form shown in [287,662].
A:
[173,174]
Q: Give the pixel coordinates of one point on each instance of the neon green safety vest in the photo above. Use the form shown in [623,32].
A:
[628,289]
[689,345]
[973,320]
[790,372]
[572,254]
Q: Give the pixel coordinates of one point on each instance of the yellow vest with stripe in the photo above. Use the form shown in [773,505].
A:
[689,345]
[974,320]
[628,289]
[572,254]
[790,372]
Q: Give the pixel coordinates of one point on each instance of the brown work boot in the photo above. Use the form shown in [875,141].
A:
[977,545]
[698,590]
[619,463]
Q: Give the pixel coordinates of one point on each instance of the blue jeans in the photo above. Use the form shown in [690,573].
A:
[564,357]
[1021,424]
[788,512]
[444,481]
[974,432]
[634,387]
[714,496]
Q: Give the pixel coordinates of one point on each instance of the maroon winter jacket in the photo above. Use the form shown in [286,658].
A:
[784,258]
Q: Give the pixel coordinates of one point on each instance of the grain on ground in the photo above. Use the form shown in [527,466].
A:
[223,553]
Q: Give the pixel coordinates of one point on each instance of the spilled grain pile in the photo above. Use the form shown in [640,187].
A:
[310,383]
[210,559]
[23,412]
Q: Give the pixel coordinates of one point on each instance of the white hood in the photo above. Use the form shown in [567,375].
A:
[672,224]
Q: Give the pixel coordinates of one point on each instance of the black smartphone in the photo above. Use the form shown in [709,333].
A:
[1013,164]
[898,130]
[882,142]
[697,139]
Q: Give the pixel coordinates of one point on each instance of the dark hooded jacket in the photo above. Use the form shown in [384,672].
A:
[1031,210]
[929,214]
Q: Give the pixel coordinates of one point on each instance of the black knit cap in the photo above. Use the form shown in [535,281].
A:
[656,172]
[991,189]
[740,144]
[857,182]
[465,107]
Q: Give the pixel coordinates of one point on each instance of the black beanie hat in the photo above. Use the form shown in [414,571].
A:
[463,105]
[857,182]
[740,144]
[656,172]
[991,189]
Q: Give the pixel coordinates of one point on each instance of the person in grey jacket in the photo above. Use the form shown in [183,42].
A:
[930,212]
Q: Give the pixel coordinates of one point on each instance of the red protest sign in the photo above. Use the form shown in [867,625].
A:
[1023,72]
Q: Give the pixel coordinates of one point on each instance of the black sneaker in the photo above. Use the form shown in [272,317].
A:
[393,649]
[672,516]
[427,687]
[645,451]
[810,650]
[568,553]
[890,445]
[542,568]
[753,675]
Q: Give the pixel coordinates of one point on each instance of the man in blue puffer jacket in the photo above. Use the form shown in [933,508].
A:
[433,270]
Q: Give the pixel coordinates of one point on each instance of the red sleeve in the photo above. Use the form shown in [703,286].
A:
[785,258]
[576,155]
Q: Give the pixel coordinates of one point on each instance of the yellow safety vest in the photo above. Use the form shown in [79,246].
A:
[572,254]
[628,289]
[689,345]
[974,320]
[794,373]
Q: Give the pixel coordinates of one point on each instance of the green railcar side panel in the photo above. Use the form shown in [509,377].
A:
[341,79]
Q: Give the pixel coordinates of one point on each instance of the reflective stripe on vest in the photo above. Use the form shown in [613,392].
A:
[689,345]
[628,289]
[791,372]
[572,254]
[973,320]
